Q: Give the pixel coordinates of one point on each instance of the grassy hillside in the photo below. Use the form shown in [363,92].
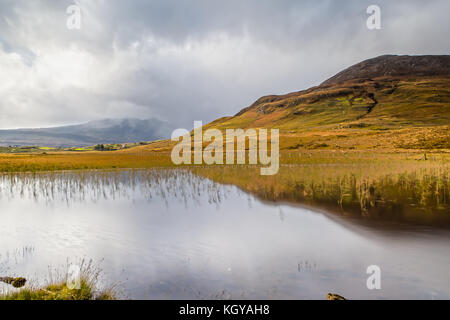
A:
[389,102]
[379,113]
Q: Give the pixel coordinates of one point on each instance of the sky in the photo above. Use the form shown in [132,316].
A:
[186,60]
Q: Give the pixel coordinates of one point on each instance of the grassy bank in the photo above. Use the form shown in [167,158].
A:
[82,161]
[141,158]
[60,292]
[87,287]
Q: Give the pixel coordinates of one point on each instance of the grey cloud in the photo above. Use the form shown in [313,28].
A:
[181,60]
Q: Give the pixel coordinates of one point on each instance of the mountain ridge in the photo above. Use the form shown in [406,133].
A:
[394,66]
[401,67]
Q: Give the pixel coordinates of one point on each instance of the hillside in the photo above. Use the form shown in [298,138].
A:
[385,102]
[91,133]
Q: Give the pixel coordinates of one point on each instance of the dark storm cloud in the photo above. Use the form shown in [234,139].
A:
[183,60]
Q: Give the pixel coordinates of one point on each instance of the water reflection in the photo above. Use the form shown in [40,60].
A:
[82,186]
[170,234]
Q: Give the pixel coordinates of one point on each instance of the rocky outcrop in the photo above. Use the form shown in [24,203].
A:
[334,296]
[15,282]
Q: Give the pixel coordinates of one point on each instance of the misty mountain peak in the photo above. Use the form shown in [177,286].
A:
[105,131]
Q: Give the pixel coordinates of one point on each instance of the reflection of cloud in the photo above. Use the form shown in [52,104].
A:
[14,258]
[188,60]
[70,187]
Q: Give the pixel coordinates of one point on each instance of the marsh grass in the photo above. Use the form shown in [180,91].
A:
[83,161]
[95,185]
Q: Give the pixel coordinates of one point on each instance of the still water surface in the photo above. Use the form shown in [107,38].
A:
[170,234]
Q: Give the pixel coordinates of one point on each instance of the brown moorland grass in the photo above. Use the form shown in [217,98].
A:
[82,161]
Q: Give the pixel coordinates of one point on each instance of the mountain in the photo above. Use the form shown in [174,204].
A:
[388,101]
[108,131]
[390,66]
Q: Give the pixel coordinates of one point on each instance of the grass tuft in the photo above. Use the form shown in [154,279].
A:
[59,290]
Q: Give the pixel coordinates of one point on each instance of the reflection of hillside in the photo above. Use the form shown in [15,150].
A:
[388,190]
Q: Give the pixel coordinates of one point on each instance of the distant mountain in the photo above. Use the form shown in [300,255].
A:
[106,131]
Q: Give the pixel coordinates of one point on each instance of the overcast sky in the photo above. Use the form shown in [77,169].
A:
[186,60]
